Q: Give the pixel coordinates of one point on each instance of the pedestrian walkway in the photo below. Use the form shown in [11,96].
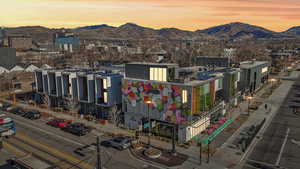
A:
[227,155]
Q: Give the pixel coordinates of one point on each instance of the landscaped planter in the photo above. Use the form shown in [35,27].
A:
[153,153]
[137,146]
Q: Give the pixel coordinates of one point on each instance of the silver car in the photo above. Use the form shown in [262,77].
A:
[120,143]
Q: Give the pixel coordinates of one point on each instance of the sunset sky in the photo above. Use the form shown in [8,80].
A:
[277,15]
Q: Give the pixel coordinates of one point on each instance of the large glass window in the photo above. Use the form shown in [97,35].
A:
[158,74]
[104,83]
[184,96]
[265,69]
[105,99]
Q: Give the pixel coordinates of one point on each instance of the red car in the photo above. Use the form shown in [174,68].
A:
[60,123]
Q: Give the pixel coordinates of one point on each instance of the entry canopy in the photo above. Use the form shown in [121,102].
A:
[209,138]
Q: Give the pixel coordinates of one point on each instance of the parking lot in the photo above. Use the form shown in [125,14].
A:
[278,146]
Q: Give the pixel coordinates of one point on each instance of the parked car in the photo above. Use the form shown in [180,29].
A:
[17,110]
[33,115]
[78,129]
[120,143]
[4,106]
[253,107]
[60,123]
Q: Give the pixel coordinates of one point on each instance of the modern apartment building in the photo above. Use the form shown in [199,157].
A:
[254,74]
[170,96]
[88,92]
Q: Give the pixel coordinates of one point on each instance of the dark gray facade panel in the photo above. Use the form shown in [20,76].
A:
[137,71]
[8,57]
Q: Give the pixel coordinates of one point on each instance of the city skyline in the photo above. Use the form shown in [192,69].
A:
[189,15]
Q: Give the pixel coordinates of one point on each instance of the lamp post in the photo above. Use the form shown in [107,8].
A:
[99,164]
[173,140]
[148,102]
[272,82]
[249,98]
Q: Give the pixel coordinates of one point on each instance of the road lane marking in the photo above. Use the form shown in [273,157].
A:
[282,147]
[50,133]
[53,150]
[13,149]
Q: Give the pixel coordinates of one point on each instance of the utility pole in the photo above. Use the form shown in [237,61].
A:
[149,126]
[200,154]
[173,140]
[208,151]
[99,166]
[1,143]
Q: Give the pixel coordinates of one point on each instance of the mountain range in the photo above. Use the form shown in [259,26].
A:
[233,31]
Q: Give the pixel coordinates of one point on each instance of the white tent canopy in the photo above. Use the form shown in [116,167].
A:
[3,70]
[45,66]
[17,68]
[31,68]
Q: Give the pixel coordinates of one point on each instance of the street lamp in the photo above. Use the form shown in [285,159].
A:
[272,81]
[148,102]
[249,98]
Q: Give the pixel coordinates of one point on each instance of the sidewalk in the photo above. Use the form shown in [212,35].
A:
[226,155]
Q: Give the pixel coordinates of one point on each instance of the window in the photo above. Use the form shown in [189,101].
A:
[206,88]
[105,97]
[218,84]
[159,74]
[184,96]
[265,69]
[104,83]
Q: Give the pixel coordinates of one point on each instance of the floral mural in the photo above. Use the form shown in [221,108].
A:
[164,98]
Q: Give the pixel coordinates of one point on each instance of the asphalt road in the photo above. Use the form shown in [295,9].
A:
[79,147]
[278,146]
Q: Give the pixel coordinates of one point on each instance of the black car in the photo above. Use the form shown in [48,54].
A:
[17,111]
[33,115]
[78,129]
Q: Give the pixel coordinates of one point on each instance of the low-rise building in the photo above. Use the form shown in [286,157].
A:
[254,74]
[67,42]
[155,91]
[20,42]
[87,92]
[8,57]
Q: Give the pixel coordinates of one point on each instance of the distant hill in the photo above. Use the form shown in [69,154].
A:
[239,30]
[294,31]
[133,31]
[234,30]
[94,27]
[38,33]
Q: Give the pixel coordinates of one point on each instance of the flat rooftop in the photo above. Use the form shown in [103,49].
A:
[250,64]
[154,64]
